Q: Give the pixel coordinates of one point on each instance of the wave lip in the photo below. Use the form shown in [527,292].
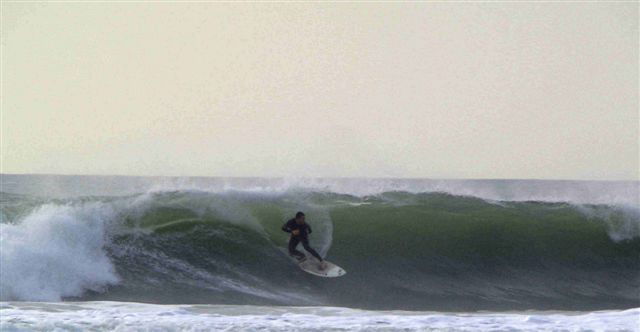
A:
[571,191]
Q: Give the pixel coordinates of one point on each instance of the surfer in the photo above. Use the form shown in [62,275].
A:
[299,233]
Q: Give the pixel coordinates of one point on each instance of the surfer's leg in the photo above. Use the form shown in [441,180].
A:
[293,243]
[305,244]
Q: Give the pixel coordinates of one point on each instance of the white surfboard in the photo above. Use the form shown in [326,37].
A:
[311,265]
[330,270]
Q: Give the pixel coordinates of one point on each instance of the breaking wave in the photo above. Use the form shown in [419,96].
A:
[402,250]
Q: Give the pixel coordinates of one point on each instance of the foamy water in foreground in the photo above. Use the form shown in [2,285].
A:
[123,316]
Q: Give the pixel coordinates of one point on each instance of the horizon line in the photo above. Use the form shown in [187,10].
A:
[320,177]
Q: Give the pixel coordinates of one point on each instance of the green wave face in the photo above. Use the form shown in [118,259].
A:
[428,251]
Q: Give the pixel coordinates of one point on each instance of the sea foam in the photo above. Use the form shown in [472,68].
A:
[122,316]
[56,251]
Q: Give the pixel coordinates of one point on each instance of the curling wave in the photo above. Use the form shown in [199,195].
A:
[403,250]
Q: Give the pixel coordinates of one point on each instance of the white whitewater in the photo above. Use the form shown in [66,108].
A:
[123,316]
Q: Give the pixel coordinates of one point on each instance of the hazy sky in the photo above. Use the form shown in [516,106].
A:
[442,90]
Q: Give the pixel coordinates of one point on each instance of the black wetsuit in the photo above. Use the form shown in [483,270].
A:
[305,230]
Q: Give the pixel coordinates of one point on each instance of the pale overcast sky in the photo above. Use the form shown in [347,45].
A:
[438,90]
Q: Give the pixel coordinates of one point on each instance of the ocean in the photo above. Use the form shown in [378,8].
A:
[196,253]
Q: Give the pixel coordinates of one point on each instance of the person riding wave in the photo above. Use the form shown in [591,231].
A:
[300,231]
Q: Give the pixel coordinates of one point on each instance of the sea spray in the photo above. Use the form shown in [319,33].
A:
[56,251]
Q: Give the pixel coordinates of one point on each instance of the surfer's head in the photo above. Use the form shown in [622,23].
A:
[300,217]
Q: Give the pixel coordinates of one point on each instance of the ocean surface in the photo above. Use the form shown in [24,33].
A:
[162,253]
